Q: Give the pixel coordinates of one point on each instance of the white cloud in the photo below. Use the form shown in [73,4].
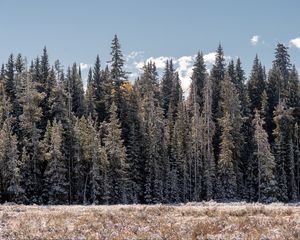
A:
[84,66]
[209,58]
[185,70]
[134,55]
[183,65]
[295,42]
[254,40]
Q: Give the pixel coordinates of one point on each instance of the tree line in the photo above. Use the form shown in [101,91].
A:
[115,142]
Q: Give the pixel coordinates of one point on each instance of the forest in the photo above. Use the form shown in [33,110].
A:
[230,138]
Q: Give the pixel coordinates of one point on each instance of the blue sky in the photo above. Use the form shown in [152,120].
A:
[78,30]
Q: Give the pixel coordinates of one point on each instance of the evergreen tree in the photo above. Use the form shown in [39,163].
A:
[217,75]
[74,88]
[283,134]
[89,95]
[9,83]
[227,180]
[198,80]
[11,189]
[99,91]
[152,124]
[30,102]
[230,105]
[256,85]
[166,86]
[209,131]
[116,155]
[55,187]
[117,63]
[266,163]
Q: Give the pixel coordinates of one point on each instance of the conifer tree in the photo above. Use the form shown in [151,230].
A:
[283,133]
[181,137]
[55,187]
[227,180]
[9,83]
[230,104]
[89,96]
[99,91]
[11,189]
[198,79]
[209,131]
[256,85]
[217,75]
[116,155]
[166,86]
[265,161]
[30,101]
[152,124]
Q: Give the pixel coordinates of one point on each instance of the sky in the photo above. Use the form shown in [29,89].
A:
[75,30]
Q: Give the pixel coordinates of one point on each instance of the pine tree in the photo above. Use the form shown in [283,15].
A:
[256,85]
[30,102]
[198,80]
[11,189]
[166,86]
[217,76]
[74,88]
[283,133]
[181,137]
[227,180]
[152,124]
[240,87]
[9,83]
[230,105]
[116,154]
[99,91]
[209,131]
[266,163]
[55,187]
[117,63]
[91,165]
[20,64]
[89,96]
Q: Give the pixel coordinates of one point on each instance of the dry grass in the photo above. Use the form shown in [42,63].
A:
[190,221]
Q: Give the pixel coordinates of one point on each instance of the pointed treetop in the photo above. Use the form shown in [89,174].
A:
[117,61]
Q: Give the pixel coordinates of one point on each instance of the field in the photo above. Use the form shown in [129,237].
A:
[190,221]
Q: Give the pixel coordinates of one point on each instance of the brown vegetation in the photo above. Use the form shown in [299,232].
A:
[191,221]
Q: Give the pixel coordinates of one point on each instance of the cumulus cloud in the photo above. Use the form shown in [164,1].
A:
[159,62]
[185,69]
[254,40]
[209,58]
[134,55]
[295,42]
[84,66]
[183,65]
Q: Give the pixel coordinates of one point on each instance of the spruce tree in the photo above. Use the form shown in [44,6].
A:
[55,186]
[30,101]
[198,80]
[99,91]
[116,155]
[166,86]
[283,133]
[227,180]
[265,161]
[11,189]
[256,85]
[209,131]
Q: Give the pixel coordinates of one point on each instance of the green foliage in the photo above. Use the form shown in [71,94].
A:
[114,141]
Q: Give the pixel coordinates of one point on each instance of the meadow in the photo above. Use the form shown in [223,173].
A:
[205,220]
